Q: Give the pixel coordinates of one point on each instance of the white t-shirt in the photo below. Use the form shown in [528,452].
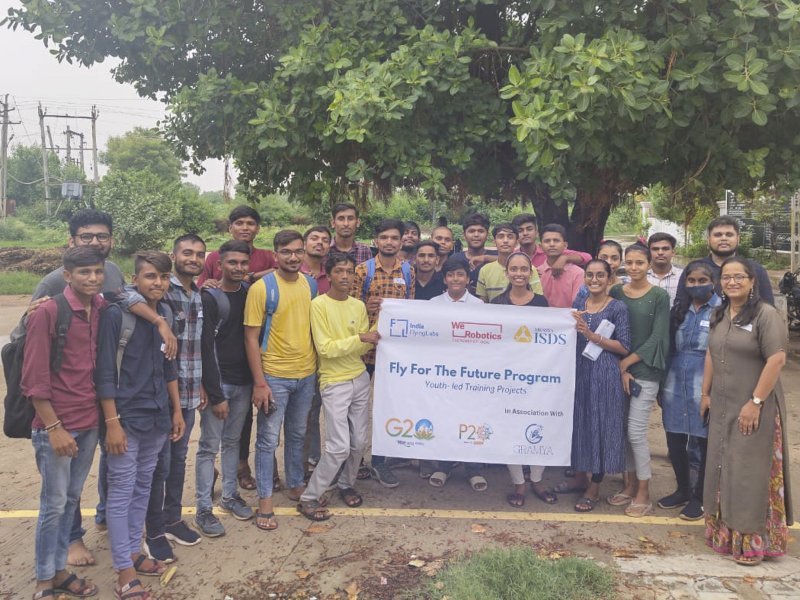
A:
[467,298]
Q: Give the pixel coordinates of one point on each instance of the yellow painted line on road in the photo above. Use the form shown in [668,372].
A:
[421,513]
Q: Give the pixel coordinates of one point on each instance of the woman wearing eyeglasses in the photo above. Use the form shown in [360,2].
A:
[747,493]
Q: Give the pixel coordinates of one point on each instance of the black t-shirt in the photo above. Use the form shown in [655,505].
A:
[434,288]
[224,356]
[537,300]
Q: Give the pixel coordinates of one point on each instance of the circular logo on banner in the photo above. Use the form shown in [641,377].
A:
[534,433]
[423,430]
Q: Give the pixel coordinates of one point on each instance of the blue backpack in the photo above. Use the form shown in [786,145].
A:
[404,267]
[223,305]
[273,296]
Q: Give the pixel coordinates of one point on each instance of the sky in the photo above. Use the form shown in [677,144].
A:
[30,75]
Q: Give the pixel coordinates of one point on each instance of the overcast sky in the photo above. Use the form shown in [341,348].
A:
[30,74]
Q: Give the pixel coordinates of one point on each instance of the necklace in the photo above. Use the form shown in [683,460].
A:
[589,314]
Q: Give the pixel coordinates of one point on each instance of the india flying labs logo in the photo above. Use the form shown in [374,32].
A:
[523,335]
[406,428]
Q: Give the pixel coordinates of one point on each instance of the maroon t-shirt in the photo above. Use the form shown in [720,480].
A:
[260,260]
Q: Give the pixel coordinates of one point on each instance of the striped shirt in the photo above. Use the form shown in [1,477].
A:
[360,252]
[187,311]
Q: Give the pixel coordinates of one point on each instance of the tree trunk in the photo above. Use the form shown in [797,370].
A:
[588,219]
[546,208]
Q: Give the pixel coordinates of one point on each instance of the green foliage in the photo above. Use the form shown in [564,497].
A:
[144,209]
[18,282]
[697,233]
[520,573]
[196,213]
[143,150]
[276,209]
[12,231]
[626,218]
[26,176]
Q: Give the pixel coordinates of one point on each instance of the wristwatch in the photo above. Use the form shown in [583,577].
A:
[757,401]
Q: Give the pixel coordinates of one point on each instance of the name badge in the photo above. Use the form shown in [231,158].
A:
[704,324]
[399,281]
[748,327]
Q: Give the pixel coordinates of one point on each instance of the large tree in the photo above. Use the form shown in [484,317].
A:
[143,150]
[542,101]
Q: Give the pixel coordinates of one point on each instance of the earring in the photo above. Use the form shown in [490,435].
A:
[724,297]
[750,295]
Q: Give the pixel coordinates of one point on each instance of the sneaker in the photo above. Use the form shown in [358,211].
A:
[674,500]
[182,534]
[384,475]
[237,507]
[692,511]
[158,549]
[209,524]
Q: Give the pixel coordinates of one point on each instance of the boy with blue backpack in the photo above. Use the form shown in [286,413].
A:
[283,365]
[229,387]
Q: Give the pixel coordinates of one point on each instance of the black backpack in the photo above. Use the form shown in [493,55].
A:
[19,411]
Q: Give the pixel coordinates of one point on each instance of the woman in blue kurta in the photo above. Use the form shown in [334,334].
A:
[680,395]
[598,431]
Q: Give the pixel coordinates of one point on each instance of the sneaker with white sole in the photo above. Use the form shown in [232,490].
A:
[384,475]
[236,507]
[158,549]
[208,524]
[182,534]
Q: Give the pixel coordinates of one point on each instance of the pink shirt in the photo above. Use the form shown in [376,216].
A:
[260,260]
[71,391]
[561,291]
[323,283]
[538,258]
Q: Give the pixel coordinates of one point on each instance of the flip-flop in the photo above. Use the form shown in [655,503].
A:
[585,505]
[270,516]
[157,570]
[619,499]
[478,483]
[637,510]
[748,561]
[45,593]
[547,496]
[363,472]
[124,592]
[568,487]
[516,500]
[86,590]
[438,479]
[313,511]
[351,497]
[246,480]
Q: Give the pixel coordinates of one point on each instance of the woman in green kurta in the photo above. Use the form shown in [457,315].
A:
[747,493]
[642,370]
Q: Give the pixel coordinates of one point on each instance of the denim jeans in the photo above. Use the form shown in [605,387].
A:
[166,495]
[215,432]
[292,398]
[62,483]
[130,476]
[313,433]
[102,486]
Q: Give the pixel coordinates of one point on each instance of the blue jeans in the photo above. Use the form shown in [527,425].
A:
[62,483]
[292,398]
[166,494]
[214,433]
[130,476]
[102,486]
[314,436]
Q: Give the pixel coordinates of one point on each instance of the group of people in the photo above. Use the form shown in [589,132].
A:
[291,333]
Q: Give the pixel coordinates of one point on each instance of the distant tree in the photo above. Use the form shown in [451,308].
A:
[26,176]
[143,150]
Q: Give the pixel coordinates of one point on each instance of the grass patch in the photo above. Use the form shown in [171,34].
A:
[18,283]
[515,573]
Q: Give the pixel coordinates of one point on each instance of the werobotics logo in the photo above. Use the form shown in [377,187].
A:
[476,333]
[406,431]
[474,434]
[534,435]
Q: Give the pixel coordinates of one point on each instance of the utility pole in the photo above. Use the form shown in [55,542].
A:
[4,159]
[94,145]
[69,133]
[44,162]
[50,137]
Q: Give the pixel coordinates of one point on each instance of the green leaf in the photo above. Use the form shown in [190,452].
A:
[758,87]
[759,117]
[514,77]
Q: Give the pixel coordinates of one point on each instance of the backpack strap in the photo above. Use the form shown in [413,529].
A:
[368,279]
[125,333]
[223,307]
[63,321]
[406,269]
[273,296]
[312,284]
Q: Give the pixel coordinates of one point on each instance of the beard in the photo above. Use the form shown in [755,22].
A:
[725,253]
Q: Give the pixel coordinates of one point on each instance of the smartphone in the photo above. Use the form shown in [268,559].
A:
[707,418]
[635,388]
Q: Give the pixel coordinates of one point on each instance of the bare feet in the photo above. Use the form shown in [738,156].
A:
[78,555]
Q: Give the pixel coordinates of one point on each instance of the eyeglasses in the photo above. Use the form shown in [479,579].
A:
[595,275]
[87,238]
[287,253]
[738,278]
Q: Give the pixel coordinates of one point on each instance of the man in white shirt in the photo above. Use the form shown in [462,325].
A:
[662,272]
[456,278]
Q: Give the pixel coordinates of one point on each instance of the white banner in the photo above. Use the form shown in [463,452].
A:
[478,383]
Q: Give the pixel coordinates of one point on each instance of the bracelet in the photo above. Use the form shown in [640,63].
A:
[56,425]
[157,319]
[109,419]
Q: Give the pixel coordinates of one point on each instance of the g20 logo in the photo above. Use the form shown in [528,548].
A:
[406,428]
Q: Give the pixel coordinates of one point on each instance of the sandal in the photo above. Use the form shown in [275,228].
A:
[748,561]
[294,493]
[569,487]
[438,479]
[639,510]
[156,570]
[45,593]
[546,496]
[351,497]
[271,525]
[619,499]
[585,505]
[313,511]
[246,479]
[277,486]
[425,470]
[478,483]
[516,500]
[124,592]
[85,590]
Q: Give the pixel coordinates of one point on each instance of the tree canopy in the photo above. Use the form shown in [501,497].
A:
[541,101]
[143,150]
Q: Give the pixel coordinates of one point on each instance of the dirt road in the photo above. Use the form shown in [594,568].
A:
[364,552]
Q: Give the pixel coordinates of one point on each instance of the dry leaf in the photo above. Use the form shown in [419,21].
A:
[624,554]
[352,591]
[303,574]
[478,528]
[555,555]
[317,528]
[167,576]
[433,567]
[749,579]
[417,563]
[439,585]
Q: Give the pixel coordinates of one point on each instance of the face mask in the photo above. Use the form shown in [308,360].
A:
[700,292]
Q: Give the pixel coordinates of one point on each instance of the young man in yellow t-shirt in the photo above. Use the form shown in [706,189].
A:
[340,326]
[283,369]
